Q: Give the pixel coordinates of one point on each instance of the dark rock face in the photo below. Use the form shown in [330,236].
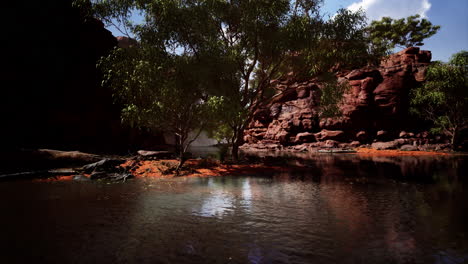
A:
[374,107]
[51,90]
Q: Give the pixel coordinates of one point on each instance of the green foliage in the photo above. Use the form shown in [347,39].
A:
[217,54]
[444,97]
[221,132]
[412,31]
[342,44]
[332,94]
[160,91]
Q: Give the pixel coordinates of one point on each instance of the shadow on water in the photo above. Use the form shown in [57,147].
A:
[336,209]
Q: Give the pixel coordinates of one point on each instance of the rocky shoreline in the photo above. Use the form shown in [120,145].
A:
[329,140]
[160,164]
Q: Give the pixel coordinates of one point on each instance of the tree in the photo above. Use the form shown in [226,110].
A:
[388,33]
[332,95]
[159,91]
[238,46]
[270,50]
[443,99]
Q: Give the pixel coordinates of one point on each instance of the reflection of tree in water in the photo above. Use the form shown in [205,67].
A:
[342,209]
[418,203]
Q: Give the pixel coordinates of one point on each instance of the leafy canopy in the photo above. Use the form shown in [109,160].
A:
[444,97]
[226,52]
[408,32]
[160,91]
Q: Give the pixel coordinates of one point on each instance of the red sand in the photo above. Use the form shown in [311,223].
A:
[57,178]
[197,168]
[394,152]
[201,168]
[204,168]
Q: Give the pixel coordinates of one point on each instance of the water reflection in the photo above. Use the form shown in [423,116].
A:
[222,200]
[246,194]
[341,209]
[217,203]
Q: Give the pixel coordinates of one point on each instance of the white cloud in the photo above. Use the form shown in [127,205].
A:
[376,9]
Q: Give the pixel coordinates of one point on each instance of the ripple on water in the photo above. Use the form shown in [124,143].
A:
[353,212]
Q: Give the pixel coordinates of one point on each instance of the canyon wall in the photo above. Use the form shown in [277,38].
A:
[374,108]
[51,89]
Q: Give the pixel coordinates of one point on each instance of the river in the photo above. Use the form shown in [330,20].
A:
[343,209]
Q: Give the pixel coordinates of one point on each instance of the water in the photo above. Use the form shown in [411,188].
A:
[343,209]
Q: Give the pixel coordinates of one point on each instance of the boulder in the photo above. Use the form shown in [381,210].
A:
[382,135]
[302,147]
[402,141]
[305,137]
[336,135]
[404,134]
[408,148]
[385,145]
[362,136]
[329,144]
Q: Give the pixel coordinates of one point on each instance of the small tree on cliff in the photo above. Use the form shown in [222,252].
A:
[388,33]
[443,99]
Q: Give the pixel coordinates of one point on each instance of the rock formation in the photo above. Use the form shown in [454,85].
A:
[51,93]
[374,108]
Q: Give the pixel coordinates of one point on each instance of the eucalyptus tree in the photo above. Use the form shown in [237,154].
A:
[405,32]
[235,48]
[443,99]
[159,91]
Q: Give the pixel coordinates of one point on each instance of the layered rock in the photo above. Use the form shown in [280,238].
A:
[375,105]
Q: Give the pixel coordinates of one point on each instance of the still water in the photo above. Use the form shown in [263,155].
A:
[343,209]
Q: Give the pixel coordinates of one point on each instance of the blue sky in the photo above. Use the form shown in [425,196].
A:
[451,15]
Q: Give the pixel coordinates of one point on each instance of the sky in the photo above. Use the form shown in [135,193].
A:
[451,15]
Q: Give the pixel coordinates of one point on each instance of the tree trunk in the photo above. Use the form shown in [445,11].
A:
[181,156]
[236,143]
[235,151]
[454,140]
[177,146]
[180,151]
[181,163]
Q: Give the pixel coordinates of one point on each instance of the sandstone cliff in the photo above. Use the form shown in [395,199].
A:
[374,108]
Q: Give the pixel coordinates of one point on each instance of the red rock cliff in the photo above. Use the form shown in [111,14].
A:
[375,106]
